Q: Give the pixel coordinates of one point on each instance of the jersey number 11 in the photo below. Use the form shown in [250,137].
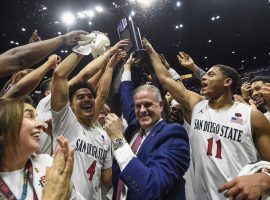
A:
[210,146]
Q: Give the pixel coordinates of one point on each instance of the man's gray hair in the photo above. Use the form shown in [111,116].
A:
[149,88]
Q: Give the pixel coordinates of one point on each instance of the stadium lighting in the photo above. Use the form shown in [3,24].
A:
[145,3]
[99,9]
[90,13]
[68,18]
[80,15]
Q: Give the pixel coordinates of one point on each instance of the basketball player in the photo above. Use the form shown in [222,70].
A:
[74,111]
[224,135]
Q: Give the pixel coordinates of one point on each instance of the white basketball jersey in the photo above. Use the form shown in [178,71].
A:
[92,152]
[222,144]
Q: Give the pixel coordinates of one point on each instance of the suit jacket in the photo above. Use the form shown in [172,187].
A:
[162,160]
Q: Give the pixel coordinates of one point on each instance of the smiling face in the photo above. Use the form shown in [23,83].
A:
[29,136]
[256,88]
[148,109]
[83,104]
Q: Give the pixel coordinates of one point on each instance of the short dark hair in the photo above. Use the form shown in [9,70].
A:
[264,79]
[76,86]
[230,73]
[45,86]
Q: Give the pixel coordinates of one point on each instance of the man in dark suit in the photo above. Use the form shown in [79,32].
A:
[152,156]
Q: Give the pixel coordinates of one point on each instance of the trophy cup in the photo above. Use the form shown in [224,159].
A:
[143,67]
[127,30]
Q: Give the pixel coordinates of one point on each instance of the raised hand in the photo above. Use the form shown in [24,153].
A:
[57,184]
[120,54]
[131,59]
[73,37]
[54,60]
[245,89]
[117,46]
[148,46]
[185,60]
[114,126]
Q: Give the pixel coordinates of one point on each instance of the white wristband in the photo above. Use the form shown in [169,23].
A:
[174,74]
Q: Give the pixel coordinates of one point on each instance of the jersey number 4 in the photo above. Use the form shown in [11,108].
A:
[91,170]
[210,147]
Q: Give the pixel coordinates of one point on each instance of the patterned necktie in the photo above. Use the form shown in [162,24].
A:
[137,142]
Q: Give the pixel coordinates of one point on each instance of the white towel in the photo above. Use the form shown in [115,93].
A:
[95,43]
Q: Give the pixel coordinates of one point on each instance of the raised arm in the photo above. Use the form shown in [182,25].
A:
[186,97]
[126,88]
[59,84]
[14,79]
[105,82]
[186,61]
[94,66]
[95,80]
[91,69]
[29,82]
[27,55]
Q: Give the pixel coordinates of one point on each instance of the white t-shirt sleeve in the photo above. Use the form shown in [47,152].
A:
[64,122]
[44,109]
